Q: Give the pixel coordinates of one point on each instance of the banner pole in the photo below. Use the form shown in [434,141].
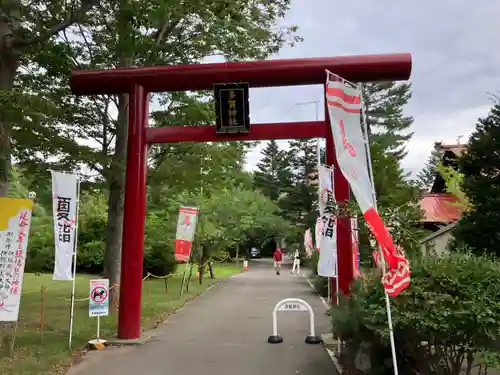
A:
[73,288]
[98,328]
[374,194]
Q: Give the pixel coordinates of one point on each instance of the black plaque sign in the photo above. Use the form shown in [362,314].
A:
[232,108]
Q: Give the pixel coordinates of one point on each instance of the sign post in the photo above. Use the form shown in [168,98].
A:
[293,305]
[98,306]
[232,108]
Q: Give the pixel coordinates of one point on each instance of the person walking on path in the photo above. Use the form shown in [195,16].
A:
[296,262]
[277,257]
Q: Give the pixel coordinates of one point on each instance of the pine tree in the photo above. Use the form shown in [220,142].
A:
[388,130]
[273,175]
[300,201]
[480,167]
[387,125]
[426,177]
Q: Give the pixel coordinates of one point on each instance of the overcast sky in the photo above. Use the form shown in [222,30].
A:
[456,61]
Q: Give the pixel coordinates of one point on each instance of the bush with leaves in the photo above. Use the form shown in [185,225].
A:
[446,322]
[159,258]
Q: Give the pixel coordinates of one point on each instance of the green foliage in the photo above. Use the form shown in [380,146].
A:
[299,201]
[397,195]
[273,175]
[448,315]
[454,180]
[478,228]
[387,124]
[159,250]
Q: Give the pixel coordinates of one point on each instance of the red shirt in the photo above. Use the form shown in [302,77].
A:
[277,255]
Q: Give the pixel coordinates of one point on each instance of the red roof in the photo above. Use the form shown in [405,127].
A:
[440,208]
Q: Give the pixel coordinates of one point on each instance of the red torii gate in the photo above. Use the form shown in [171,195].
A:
[139,82]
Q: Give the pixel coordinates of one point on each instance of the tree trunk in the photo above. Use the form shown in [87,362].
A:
[114,230]
[237,252]
[116,181]
[9,62]
[211,270]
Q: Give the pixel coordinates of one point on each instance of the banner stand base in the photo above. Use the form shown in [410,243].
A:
[97,344]
[313,340]
[275,339]
[140,341]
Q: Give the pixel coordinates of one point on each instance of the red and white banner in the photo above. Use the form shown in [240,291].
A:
[186,227]
[327,264]
[344,108]
[308,243]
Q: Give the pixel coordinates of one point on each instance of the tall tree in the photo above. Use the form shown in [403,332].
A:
[273,173]
[388,131]
[480,167]
[299,203]
[26,26]
[387,125]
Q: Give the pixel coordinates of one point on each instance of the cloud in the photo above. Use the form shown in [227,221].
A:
[456,61]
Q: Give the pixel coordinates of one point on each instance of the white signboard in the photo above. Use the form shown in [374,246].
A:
[15,220]
[293,306]
[99,297]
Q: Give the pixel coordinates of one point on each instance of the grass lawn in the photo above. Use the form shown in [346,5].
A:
[50,355]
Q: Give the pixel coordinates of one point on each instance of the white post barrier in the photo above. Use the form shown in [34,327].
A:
[293,304]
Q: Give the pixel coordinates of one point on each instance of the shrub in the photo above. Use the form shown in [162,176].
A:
[159,258]
[446,322]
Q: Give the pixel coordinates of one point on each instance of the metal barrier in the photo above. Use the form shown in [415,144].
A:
[290,305]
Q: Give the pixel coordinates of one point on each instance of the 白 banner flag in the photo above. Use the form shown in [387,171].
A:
[64,210]
[344,108]
[186,227]
[327,264]
[15,220]
[308,243]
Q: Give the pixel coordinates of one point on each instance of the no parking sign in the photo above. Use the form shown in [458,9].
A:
[99,297]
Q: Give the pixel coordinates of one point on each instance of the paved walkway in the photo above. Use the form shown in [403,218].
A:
[225,330]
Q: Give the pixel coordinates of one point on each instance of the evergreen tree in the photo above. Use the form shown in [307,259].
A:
[388,131]
[273,173]
[300,201]
[426,177]
[387,125]
[480,167]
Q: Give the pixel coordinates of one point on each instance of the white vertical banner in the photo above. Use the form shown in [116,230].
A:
[327,264]
[308,243]
[64,209]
